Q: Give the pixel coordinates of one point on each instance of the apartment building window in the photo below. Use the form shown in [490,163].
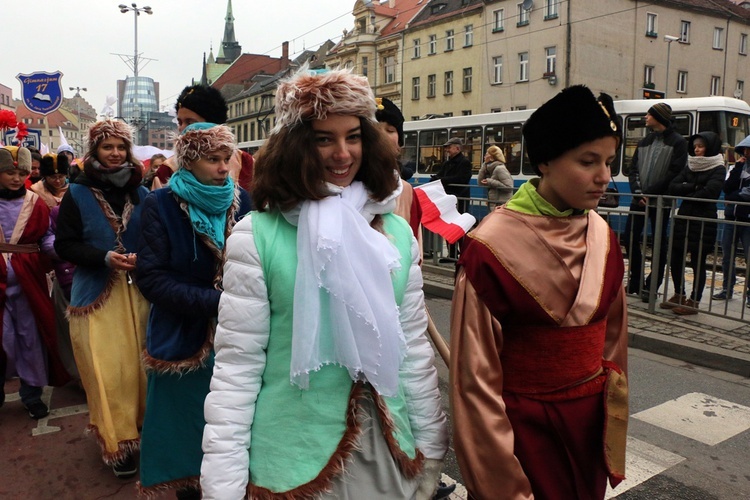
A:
[523,15]
[417,49]
[550,9]
[448,82]
[523,67]
[648,76]
[718,38]
[389,69]
[449,40]
[685,32]
[431,85]
[498,18]
[469,35]
[415,88]
[365,62]
[467,80]
[681,82]
[466,112]
[550,54]
[651,24]
[497,69]
[432,45]
[715,85]
[743,44]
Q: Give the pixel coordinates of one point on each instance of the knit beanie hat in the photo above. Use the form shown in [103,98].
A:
[308,95]
[200,139]
[206,102]
[53,164]
[571,118]
[389,113]
[66,147]
[662,112]
[12,157]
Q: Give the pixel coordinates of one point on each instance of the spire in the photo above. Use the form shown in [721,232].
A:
[230,48]
[204,77]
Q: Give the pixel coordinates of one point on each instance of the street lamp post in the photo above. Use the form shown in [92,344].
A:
[136,12]
[669,39]
[78,114]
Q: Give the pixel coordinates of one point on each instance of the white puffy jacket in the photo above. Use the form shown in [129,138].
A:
[241,340]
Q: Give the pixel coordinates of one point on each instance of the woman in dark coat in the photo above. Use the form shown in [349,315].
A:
[701,179]
[180,253]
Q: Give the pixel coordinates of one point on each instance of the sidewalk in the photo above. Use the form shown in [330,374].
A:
[702,339]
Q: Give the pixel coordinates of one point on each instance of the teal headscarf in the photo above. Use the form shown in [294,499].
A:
[207,205]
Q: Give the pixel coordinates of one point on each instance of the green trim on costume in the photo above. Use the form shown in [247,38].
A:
[295,432]
[527,200]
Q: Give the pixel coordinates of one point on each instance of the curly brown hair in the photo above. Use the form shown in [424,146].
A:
[288,169]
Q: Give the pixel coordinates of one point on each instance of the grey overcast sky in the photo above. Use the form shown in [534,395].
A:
[80,37]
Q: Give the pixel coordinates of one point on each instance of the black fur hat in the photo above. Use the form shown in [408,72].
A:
[53,164]
[206,102]
[389,113]
[571,118]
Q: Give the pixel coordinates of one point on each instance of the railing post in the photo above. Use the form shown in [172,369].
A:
[655,254]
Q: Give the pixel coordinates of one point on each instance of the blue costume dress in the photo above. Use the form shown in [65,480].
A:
[177,271]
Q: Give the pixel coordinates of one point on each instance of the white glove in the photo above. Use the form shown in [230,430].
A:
[428,481]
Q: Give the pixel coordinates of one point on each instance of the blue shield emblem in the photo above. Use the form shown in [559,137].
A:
[41,92]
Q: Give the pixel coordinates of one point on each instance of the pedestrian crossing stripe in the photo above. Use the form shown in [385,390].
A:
[642,462]
[699,416]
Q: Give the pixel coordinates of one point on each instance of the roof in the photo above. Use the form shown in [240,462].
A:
[405,11]
[245,67]
[450,9]
[54,119]
[721,8]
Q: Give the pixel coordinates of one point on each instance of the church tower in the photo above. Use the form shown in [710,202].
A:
[230,48]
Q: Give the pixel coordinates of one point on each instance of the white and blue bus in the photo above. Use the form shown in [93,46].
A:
[423,139]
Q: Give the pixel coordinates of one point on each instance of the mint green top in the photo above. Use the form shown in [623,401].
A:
[295,432]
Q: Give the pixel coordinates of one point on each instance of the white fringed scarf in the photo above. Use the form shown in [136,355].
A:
[345,310]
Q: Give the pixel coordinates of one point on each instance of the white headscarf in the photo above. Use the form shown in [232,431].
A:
[345,309]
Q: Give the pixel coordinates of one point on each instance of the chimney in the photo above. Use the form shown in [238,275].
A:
[285,55]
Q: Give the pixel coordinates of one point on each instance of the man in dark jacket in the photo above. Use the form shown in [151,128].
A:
[660,156]
[455,175]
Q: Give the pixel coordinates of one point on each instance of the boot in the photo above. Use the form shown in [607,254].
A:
[674,301]
[690,307]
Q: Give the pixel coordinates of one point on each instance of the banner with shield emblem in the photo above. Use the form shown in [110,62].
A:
[41,92]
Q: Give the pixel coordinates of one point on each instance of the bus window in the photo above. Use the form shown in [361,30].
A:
[731,127]
[409,151]
[508,138]
[472,137]
[431,150]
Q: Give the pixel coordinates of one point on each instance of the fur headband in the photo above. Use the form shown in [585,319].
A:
[307,96]
[197,142]
[109,128]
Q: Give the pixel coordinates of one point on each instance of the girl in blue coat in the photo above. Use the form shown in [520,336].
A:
[180,253]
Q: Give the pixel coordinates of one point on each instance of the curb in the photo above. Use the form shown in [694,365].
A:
[697,353]
[690,351]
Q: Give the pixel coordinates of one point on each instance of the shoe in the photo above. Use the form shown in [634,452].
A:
[674,301]
[722,295]
[748,303]
[690,307]
[37,410]
[125,468]
[447,260]
[645,295]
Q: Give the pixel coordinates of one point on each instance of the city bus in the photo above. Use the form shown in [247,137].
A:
[423,139]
